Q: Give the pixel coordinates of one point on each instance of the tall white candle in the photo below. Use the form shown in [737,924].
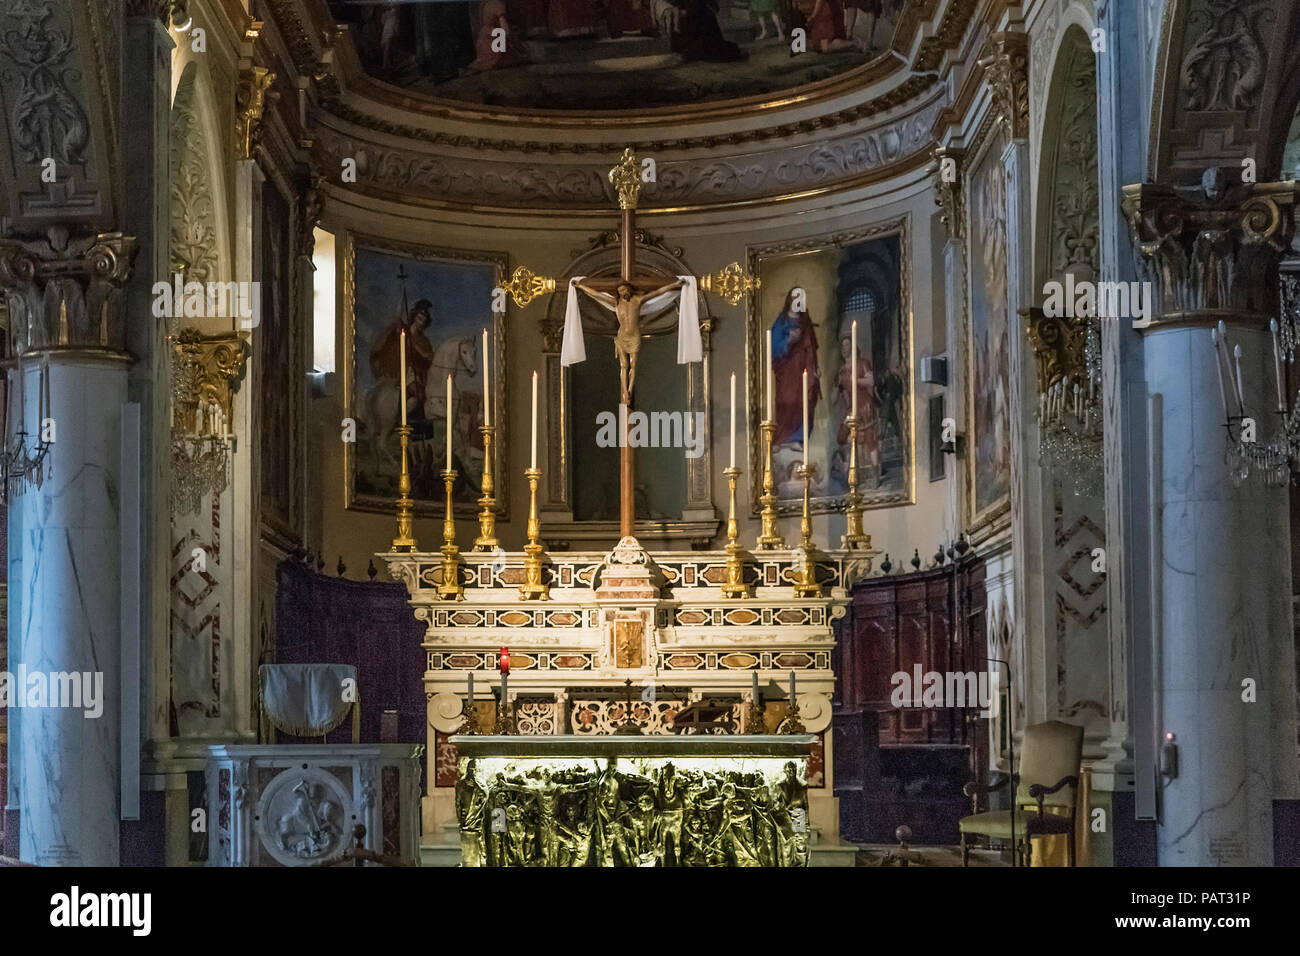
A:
[1277,367]
[733,420]
[471,689]
[533,459]
[449,421]
[853,364]
[1218,367]
[1241,399]
[487,389]
[767,376]
[805,418]
[402,385]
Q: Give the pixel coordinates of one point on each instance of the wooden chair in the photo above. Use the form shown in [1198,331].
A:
[1050,761]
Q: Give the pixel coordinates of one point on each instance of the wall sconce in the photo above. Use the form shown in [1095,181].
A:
[206,370]
[22,454]
[1245,451]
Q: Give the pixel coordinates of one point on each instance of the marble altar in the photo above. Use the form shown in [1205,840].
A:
[658,619]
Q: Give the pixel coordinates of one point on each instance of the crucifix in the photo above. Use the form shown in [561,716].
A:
[626,295]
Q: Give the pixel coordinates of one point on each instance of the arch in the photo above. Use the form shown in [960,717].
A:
[1068,219]
[1225,87]
[199,232]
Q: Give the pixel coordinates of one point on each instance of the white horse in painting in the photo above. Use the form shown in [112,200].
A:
[455,357]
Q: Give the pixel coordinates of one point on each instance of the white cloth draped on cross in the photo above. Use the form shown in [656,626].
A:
[690,348]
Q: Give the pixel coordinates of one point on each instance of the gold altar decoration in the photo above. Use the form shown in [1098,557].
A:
[805,571]
[638,811]
[735,586]
[754,723]
[769,538]
[487,516]
[526,285]
[854,536]
[206,370]
[450,588]
[534,586]
[626,179]
[792,724]
[405,540]
[731,282]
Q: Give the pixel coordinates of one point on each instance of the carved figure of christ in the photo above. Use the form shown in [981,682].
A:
[626,304]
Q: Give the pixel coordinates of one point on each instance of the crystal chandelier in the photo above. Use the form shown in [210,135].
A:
[205,372]
[1067,350]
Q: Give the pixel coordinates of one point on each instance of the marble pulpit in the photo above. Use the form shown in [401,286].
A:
[658,620]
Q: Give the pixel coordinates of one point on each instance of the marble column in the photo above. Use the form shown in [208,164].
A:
[1224,661]
[1121,158]
[68,333]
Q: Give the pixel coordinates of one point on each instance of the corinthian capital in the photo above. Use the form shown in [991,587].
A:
[1214,248]
[67,297]
[1006,59]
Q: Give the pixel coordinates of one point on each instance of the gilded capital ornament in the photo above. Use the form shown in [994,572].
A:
[250,102]
[1211,249]
[1006,59]
[206,370]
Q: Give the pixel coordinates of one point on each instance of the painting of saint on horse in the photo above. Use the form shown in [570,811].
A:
[443,305]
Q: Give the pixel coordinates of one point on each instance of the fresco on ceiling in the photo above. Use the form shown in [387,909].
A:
[611,54]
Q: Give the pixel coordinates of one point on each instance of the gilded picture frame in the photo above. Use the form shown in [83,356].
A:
[448,301]
[986,337]
[863,274]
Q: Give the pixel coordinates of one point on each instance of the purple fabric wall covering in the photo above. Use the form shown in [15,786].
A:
[330,620]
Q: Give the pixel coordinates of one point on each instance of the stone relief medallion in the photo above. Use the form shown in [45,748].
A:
[305,815]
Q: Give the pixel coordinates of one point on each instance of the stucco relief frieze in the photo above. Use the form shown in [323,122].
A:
[48,120]
[1225,62]
[567,184]
[193,216]
[1040,63]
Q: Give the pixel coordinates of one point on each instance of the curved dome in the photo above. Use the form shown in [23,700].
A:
[597,55]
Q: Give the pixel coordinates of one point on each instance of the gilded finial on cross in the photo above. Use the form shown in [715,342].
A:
[626,180]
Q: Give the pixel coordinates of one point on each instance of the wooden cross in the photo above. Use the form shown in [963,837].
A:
[732,283]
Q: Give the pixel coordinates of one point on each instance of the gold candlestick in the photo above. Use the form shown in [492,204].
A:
[805,573]
[754,723]
[450,588]
[534,586]
[405,540]
[470,727]
[792,724]
[735,586]
[487,516]
[854,536]
[770,539]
